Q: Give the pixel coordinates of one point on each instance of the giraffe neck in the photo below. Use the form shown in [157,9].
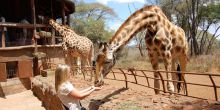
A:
[62,29]
[145,18]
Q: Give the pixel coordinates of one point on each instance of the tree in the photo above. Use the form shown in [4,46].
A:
[89,20]
[195,17]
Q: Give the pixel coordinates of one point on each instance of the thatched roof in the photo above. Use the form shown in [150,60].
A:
[15,10]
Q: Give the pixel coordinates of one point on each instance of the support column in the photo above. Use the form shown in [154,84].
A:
[63,12]
[68,20]
[3,38]
[34,40]
[3,30]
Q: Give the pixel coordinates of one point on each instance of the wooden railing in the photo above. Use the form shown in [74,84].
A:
[135,74]
[147,75]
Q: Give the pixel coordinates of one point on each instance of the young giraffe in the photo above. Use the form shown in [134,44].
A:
[163,40]
[74,45]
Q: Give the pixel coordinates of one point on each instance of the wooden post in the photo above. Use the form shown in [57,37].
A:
[161,77]
[34,23]
[214,86]
[34,40]
[4,29]
[126,79]
[68,20]
[146,78]
[132,72]
[63,12]
[53,37]
[3,38]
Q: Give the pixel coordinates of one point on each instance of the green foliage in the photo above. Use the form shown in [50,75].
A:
[95,10]
[210,12]
[89,20]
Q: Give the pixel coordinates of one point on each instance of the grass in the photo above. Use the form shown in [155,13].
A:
[203,63]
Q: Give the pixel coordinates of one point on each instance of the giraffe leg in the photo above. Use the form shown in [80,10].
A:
[155,66]
[167,64]
[183,62]
[79,64]
[174,75]
[68,60]
[89,63]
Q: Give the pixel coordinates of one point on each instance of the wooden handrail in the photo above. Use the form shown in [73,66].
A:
[20,25]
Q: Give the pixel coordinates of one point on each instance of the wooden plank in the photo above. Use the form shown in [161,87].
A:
[25,69]
[3,72]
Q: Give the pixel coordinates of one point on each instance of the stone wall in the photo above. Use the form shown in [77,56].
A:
[45,91]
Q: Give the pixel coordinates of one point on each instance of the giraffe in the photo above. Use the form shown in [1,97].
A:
[74,45]
[163,39]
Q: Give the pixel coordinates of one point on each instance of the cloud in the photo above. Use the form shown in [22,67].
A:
[120,1]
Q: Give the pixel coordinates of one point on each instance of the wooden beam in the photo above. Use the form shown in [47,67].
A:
[20,25]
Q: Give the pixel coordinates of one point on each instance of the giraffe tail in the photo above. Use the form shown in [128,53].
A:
[179,75]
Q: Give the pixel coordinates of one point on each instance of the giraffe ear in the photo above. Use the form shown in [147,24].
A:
[105,43]
[100,44]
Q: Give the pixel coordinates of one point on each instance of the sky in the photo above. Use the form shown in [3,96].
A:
[121,9]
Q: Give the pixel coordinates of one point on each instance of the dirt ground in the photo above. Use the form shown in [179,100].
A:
[21,101]
[117,97]
[114,96]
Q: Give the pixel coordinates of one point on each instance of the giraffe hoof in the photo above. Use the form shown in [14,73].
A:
[99,83]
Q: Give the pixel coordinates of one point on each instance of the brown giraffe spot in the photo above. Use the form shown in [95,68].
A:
[157,41]
[150,54]
[155,49]
[168,55]
[149,41]
[119,38]
[172,32]
[159,18]
[163,47]
[153,22]
[135,22]
[164,22]
[168,26]
[155,66]
[163,54]
[167,34]
[174,41]
[148,16]
[141,10]
[178,48]
[158,53]
[172,51]
[127,29]
[167,41]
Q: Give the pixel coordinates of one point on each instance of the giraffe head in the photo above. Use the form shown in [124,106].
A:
[51,21]
[104,62]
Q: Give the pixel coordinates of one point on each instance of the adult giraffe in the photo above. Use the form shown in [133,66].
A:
[163,40]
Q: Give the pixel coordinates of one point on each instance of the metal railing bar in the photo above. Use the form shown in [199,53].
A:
[214,86]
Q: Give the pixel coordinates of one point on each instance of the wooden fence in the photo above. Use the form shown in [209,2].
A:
[133,76]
